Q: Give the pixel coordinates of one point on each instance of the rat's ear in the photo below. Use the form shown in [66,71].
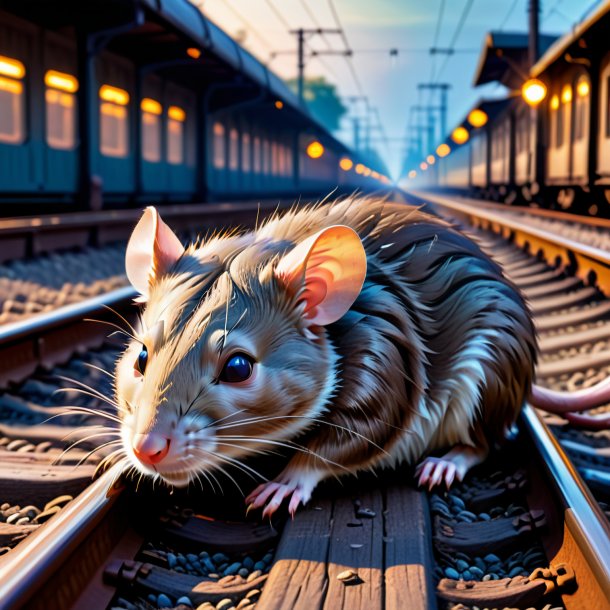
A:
[329,268]
[152,249]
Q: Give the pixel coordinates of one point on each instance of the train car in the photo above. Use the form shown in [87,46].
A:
[575,116]
[128,101]
[556,154]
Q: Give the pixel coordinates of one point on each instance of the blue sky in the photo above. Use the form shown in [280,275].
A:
[372,28]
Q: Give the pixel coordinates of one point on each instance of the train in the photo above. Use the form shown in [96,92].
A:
[115,102]
[554,154]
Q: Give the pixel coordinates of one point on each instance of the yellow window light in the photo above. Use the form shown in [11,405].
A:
[375,175]
[346,164]
[150,106]
[315,150]
[52,96]
[117,112]
[477,117]
[61,81]
[431,159]
[11,67]
[443,150]
[367,171]
[583,88]
[360,168]
[460,135]
[279,104]
[114,95]
[193,52]
[555,102]
[412,174]
[423,166]
[533,91]
[176,113]
[566,94]
[11,86]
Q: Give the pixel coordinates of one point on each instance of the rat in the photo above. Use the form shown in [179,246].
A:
[362,334]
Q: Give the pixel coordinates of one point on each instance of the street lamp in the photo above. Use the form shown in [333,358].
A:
[460,135]
[533,91]
[477,118]
[315,150]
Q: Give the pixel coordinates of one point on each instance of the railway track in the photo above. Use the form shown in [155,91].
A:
[523,532]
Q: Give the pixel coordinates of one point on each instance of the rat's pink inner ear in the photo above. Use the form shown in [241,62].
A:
[329,269]
[152,249]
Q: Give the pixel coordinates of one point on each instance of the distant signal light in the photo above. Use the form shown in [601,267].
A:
[443,150]
[346,164]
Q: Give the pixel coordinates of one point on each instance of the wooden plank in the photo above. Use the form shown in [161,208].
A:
[359,549]
[298,579]
[408,550]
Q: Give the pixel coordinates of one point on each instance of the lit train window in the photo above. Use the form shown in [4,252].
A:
[257,155]
[583,89]
[114,121]
[246,164]
[219,146]
[233,149]
[608,107]
[12,101]
[266,157]
[274,159]
[176,118]
[60,101]
[151,130]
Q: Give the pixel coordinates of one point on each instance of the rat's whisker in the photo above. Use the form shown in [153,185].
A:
[287,445]
[100,369]
[71,409]
[98,448]
[114,311]
[213,423]
[112,325]
[249,449]
[82,440]
[311,419]
[111,456]
[237,463]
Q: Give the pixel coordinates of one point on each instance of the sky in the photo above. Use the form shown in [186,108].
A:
[373,27]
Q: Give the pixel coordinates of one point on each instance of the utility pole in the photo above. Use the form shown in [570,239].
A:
[443,88]
[301,33]
[536,114]
[300,61]
[533,46]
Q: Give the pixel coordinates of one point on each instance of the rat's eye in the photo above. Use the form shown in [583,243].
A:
[237,368]
[140,363]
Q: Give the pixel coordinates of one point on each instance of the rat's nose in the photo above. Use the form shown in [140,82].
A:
[150,448]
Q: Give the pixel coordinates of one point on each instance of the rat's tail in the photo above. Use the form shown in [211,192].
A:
[565,403]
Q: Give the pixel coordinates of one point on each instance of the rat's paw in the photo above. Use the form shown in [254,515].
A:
[432,471]
[272,494]
[453,465]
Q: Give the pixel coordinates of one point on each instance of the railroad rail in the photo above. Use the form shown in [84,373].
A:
[31,236]
[524,531]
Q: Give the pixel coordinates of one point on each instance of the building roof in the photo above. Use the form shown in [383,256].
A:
[592,22]
[504,58]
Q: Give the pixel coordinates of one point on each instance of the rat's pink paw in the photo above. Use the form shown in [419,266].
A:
[433,471]
[272,494]
[453,465]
